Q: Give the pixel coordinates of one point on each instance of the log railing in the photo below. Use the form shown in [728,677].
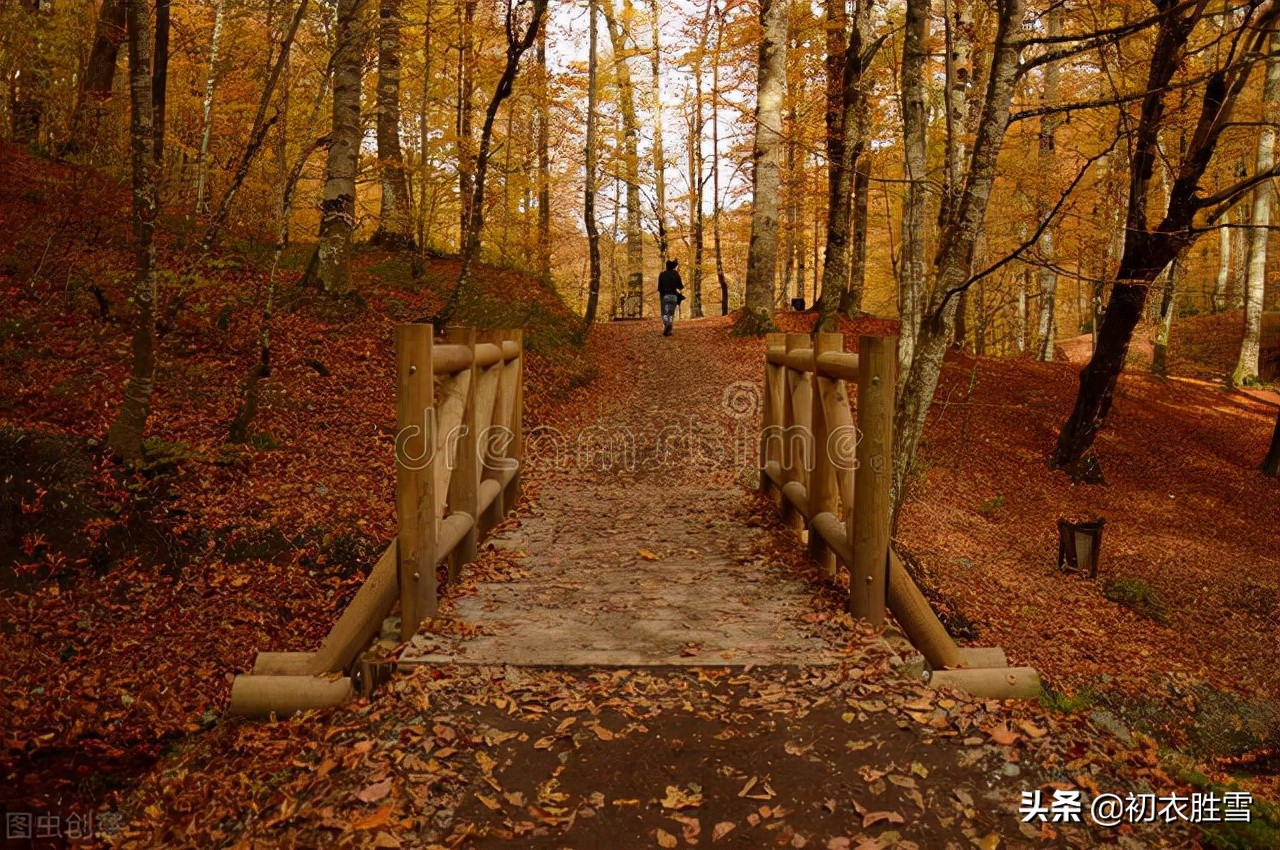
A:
[830,475]
[458,454]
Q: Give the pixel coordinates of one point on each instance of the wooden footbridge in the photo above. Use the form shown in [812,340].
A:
[460,450]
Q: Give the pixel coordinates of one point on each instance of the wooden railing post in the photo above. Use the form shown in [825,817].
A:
[869,520]
[794,458]
[415,475]
[464,483]
[823,493]
[774,385]
[512,496]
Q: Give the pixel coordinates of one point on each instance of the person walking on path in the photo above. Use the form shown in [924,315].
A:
[669,286]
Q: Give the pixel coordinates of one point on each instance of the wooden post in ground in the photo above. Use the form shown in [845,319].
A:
[774,384]
[516,451]
[415,475]
[464,484]
[823,493]
[869,519]
[794,435]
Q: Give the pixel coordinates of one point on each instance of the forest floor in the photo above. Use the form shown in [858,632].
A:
[129,599]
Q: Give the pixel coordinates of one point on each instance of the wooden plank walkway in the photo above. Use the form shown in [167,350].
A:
[661,564]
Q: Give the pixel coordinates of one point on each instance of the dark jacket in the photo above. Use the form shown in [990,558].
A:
[669,282]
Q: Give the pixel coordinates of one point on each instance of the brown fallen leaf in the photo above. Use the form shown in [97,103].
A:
[722,829]
[489,803]
[872,818]
[602,733]
[1003,735]
[648,555]
[839,843]
[374,792]
[667,840]
[679,799]
[374,820]
[386,841]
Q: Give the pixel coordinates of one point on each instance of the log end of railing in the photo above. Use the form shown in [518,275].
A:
[263,696]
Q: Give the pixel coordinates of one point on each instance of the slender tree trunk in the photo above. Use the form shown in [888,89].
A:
[1224,270]
[125,434]
[695,191]
[206,107]
[766,157]
[395,216]
[466,94]
[956,246]
[1260,218]
[715,162]
[261,124]
[544,162]
[630,153]
[160,77]
[589,201]
[851,303]
[1164,322]
[1271,463]
[517,44]
[1047,154]
[911,285]
[1020,315]
[338,206]
[424,128]
[659,157]
[99,75]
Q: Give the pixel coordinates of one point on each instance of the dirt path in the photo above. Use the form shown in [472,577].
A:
[646,549]
[644,659]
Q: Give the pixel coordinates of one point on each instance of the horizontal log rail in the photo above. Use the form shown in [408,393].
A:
[829,474]
[459,451]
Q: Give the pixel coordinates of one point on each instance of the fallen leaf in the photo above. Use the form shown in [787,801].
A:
[648,555]
[839,843]
[489,803]
[374,820]
[667,840]
[1003,735]
[678,799]
[722,829]
[872,818]
[374,792]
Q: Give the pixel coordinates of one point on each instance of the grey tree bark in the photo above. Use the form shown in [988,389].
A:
[911,283]
[1263,196]
[338,206]
[395,216]
[1048,129]
[126,432]
[762,252]
[618,35]
[589,201]
[954,257]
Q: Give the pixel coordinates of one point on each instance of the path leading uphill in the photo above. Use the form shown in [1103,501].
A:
[644,659]
[642,546]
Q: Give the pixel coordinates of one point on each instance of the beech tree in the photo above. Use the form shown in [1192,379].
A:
[395,219]
[766,159]
[1151,244]
[126,432]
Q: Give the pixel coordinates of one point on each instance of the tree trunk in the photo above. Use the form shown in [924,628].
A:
[99,76]
[1148,250]
[659,157]
[1271,463]
[125,434]
[160,77]
[589,202]
[206,106]
[544,163]
[1047,154]
[956,246]
[1164,322]
[261,124]
[762,252]
[395,218]
[424,128]
[466,93]
[851,303]
[338,207]
[911,284]
[517,44]
[630,153]
[1224,269]
[695,190]
[715,161]
[1260,218]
